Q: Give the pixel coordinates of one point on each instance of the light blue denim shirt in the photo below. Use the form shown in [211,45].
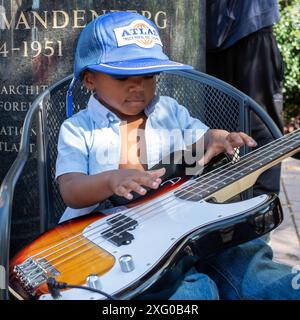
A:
[90,142]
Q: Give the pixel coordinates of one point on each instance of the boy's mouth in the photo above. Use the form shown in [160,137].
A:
[135,99]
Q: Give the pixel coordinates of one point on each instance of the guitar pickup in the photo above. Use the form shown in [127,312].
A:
[118,234]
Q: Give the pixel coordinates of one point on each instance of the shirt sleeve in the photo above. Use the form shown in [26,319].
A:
[72,149]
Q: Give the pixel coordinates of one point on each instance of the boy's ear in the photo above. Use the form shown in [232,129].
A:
[88,80]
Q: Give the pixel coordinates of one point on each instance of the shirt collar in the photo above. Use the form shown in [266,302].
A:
[99,113]
[151,106]
[103,116]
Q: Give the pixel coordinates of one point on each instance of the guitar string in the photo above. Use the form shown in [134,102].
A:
[194,182]
[105,223]
[75,249]
[84,244]
[276,146]
[93,245]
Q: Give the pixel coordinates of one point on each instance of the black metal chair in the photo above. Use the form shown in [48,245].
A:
[213,101]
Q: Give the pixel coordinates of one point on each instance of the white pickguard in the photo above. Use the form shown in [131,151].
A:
[160,225]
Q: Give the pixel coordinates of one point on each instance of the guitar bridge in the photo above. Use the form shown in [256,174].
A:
[118,234]
[32,273]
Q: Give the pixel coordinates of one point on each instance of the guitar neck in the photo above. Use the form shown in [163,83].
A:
[231,179]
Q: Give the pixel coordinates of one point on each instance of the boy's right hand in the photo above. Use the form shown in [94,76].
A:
[123,181]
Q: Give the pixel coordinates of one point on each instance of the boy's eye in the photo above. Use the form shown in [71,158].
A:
[120,78]
[124,78]
[149,76]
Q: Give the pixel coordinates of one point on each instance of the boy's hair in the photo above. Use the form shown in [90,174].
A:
[120,43]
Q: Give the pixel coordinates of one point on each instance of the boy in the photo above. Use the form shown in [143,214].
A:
[124,93]
[108,148]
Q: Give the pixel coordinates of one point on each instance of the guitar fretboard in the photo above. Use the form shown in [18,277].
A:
[263,157]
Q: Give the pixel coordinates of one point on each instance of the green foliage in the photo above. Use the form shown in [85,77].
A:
[287,33]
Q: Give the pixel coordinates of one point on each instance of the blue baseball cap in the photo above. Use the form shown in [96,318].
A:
[122,43]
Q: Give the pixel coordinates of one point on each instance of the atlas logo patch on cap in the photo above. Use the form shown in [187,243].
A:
[139,32]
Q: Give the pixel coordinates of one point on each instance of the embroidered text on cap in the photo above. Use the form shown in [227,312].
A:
[139,32]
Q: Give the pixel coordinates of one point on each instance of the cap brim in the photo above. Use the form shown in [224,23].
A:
[136,67]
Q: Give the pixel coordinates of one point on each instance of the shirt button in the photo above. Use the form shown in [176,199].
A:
[110,118]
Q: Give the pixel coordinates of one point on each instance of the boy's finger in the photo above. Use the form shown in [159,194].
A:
[136,187]
[148,181]
[124,192]
[229,147]
[208,155]
[157,173]
[235,140]
[248,140]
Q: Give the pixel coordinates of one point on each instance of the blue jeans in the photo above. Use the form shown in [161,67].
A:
[242,272]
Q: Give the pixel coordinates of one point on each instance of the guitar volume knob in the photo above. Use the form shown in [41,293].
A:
[126,263]
[93,281]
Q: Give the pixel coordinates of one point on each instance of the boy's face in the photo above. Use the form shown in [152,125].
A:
[125,96]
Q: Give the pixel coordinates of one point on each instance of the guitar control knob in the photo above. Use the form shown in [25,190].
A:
[93,281]
[126,263]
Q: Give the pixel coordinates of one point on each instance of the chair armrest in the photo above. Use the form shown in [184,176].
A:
[7,189]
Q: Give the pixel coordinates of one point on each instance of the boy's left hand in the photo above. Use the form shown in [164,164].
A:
[217,141]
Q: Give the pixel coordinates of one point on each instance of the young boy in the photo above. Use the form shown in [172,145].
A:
[102,150]
[110,147]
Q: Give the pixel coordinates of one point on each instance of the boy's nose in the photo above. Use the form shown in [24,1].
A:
[136,83]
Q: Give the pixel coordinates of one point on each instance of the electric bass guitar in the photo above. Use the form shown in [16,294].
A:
[127,250]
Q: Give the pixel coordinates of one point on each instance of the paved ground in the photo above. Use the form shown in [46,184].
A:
[285,240]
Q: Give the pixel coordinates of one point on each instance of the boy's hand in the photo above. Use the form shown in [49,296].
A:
[123,181]
[218,141]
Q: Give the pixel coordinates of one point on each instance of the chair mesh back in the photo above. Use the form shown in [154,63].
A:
[204,100]
[208,103]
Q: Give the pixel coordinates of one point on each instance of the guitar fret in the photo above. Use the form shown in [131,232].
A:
[228,174]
